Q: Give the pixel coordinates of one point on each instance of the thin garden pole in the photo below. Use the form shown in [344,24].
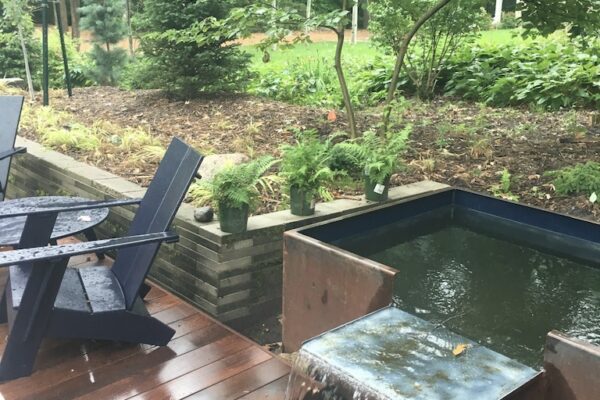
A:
[63,49]
[45,84]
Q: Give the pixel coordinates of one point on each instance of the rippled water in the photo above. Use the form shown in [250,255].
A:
[500,294]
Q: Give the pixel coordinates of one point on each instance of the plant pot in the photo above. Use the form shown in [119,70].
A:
[233,220]
[374,191]
[302,202]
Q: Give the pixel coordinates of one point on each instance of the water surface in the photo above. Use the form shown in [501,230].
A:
[500,294]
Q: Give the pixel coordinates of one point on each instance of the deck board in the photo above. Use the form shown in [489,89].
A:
[204,360]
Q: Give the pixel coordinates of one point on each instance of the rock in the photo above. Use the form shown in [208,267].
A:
[215,162]
[14,82]
[204,214]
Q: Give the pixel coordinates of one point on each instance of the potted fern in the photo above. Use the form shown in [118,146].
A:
[378,157]
[234,193]
[305,168]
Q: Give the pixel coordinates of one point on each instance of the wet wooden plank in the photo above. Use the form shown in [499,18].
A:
[155,375]
[204,377]
[245,382]
[161,303]
[272,391]
[130,366]
[175,313]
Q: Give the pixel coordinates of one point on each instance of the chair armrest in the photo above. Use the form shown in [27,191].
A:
[10,153]
[27,256]
[57,207]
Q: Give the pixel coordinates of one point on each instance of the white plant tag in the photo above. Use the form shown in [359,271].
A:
[593,198]
[379,188]
[366,171]
[85,218]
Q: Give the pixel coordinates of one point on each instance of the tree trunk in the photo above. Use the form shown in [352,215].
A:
[366,14]
[63,14]
[354,22]
[498,13]
[400,58]
[75,21]
[129,30]
[342,79]
[26,61]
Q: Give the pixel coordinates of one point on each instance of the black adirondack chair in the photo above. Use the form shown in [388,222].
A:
[10,113]
[44,298]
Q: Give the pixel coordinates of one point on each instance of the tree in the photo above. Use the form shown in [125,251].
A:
[582,17]
[188,47]
[285,21]
[18,15]
[75,21]
[104,19]
[436,41]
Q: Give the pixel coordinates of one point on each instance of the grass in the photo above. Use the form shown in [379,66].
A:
[361,52]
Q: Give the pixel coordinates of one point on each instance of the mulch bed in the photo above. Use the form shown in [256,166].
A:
[445,145]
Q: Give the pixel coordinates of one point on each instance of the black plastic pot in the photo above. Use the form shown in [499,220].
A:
[373,191]
[233,220]
[302,202]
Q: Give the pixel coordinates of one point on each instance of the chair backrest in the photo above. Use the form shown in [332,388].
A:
[155,214]
[10,113]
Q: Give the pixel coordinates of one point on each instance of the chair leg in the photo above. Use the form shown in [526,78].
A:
[90,235]
[3,305]
[31,320]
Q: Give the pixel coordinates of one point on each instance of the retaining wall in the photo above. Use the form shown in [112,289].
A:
[234,277]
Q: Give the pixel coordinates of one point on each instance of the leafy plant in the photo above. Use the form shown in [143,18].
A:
[377,155]
[550,74]
[503,188]
[235,186]
[579,179]
[73,137]
[305,165]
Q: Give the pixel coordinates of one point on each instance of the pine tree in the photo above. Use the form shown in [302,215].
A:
[104,19]
[187,47]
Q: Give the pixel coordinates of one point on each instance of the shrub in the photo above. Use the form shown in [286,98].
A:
[454,25]
[579,179]
[306,82]
[509,21]
[551,74]
[104,19]
[188,48]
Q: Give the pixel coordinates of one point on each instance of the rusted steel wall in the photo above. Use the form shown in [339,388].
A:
[324,287]
[572,368]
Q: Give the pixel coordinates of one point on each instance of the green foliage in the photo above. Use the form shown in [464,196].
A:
[581,17]
[234,186]
[79,63]
[104,19]
[308,82]
[377,155]
[509,21]
[551,74]
[579,179]
[305,164]
[453,26]
[14,13]
[503,188]
[188,48]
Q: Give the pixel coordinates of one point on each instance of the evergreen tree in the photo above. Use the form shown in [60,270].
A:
[104,19]
[187,47]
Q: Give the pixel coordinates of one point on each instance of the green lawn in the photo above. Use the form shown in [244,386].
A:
[361,52]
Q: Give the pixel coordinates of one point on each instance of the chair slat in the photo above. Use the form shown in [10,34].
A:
[10,114]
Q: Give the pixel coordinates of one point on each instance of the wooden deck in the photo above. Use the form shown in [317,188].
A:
[204,360]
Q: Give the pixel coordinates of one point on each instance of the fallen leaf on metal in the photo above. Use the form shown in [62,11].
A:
[459,349]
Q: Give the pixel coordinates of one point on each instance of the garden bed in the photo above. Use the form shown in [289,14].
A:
[458,143]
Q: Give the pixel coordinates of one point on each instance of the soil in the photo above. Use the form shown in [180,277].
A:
[458,143]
